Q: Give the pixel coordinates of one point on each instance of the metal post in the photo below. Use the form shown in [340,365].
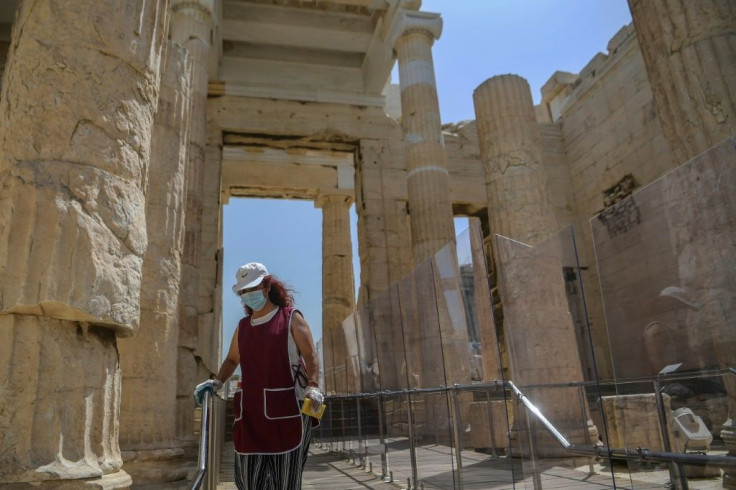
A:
[677,473]
[204,442]
[489,408]
[382,437]
[456,422]
[343,446]
[581,397]
[533,452]
[361,443]
[434,424]
[412,441]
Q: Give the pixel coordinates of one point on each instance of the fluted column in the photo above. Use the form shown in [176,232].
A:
[191,26]
[76,115]
[511,151]
[426,163]
[338,284]
[148,361]
[689,51]
[518,208]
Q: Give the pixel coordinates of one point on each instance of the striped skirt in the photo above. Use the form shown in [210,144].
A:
[274,471]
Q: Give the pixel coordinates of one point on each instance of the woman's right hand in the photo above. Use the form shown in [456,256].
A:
[212,385]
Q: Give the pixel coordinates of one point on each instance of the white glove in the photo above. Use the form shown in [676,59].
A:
[313,393]
[212,385]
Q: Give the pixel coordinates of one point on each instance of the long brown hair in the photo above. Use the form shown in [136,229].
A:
[278,293]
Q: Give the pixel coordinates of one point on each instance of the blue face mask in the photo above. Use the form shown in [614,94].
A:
[255,300]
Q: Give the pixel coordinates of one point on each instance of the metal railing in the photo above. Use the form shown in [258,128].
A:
[210,442]
[639,455]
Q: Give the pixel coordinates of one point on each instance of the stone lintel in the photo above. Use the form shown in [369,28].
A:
[301,156]
[304,95]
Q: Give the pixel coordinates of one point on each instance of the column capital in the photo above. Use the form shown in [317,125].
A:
[406,21]
[337,197]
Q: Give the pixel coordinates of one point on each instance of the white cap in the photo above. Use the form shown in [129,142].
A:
[249,275]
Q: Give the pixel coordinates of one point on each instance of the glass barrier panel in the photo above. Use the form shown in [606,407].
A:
[544,346]
[451,315]
[482,413]
[666,257]
[387,331]
[485,362]
[400,459]
[425,359]
[370,409]
[352,361]
[336,376]
[392,375]
[329,362]
[435,454]
[366,343]
[468,285]
[329,374]
[423,362]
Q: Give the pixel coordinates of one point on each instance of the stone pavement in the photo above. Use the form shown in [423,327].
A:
[328,471]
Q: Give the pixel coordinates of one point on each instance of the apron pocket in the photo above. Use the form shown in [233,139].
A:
[280,403]
[238,405]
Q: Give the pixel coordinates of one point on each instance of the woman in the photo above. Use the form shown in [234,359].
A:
[279,366]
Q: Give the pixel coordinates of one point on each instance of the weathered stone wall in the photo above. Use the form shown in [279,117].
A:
[467,188]
[607,121]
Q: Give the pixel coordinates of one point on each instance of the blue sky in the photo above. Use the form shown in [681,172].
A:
[480,39]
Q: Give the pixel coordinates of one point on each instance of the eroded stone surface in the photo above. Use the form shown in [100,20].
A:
[60,403]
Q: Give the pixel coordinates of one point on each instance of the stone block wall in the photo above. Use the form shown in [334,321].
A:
[608,127]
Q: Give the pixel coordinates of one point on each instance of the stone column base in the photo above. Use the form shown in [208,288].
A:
[118,480]
[158,468]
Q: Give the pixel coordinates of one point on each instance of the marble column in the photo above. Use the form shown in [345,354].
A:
[426,163]
[689,51]
[76,114]
[430,209]
[338,284]
[148,361]
[192,22]
[539,332]
[511,151]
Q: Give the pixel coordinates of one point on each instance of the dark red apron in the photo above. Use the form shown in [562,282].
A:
[267,414]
